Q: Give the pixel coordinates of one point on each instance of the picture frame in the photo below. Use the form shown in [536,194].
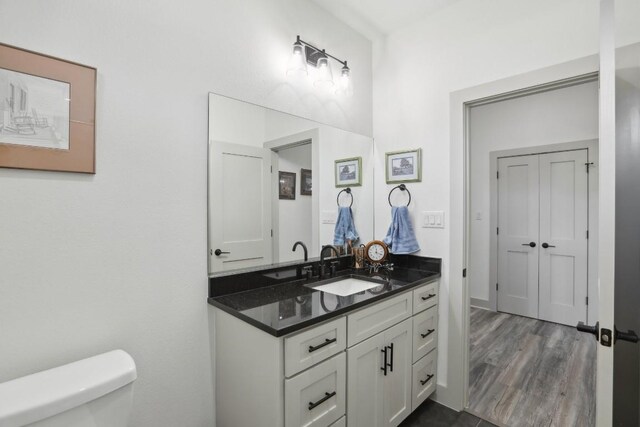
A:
[403,166]
[47,112]
[287,185]
[306,182]
[348,172]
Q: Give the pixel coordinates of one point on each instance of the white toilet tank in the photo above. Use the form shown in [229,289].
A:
[93,392]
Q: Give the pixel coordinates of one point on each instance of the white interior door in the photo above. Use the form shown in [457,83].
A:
[518,225]
[563,237]
[239,228]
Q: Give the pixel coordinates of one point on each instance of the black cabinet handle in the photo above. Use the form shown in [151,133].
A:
[429,332]
[326,397]
[423,382]
[219,252]
[326,342]
[532,244]
[391,364]
[546,245]
[385,364]
[428,297]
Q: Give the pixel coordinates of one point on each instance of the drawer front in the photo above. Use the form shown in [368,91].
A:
[342,422]
[425,296]
[314,345]
[371,320]
[425,332]
[424,379]
[316,397]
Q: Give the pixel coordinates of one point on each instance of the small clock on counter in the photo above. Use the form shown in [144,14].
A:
[376,252]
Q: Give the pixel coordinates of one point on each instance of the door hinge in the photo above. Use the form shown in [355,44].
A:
[587,234]
[464,272]
[497,230]
[498,175]
[272,232]
[210,251]
[271,168]
[497,287]
[586,299]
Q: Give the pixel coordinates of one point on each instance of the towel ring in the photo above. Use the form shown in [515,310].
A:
[402,187]
[348,191]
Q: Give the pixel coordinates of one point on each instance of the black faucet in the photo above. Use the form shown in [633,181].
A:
[299,243]
[333,265]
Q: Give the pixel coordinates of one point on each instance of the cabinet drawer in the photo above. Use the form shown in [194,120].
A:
[371,320]
[316,397]
[312,346]
[424,379]
[425,332]
[425,296]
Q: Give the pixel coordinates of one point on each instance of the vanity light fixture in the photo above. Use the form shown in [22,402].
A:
[306,54]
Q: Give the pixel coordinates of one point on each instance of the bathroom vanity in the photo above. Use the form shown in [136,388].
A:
[295,352]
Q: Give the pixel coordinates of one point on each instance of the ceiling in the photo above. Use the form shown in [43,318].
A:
[381,16]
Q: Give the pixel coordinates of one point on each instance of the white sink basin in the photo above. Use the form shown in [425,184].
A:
[347,286]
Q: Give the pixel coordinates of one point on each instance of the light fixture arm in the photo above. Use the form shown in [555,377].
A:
[299,40]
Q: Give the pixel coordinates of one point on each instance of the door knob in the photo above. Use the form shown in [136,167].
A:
[595,330]
[546,245]
[532,244]
[219,252]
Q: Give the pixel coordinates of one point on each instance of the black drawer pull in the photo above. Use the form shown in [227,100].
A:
[429,332]
[326,342]
[423,382]
[326,397]
[428,297]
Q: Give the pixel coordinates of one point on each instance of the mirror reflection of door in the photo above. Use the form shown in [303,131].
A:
[240,228]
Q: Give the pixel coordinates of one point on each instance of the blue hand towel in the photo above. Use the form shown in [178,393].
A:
[345,228]
[401,238]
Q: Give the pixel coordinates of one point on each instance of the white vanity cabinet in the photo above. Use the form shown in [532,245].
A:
[379,379]
[368,368]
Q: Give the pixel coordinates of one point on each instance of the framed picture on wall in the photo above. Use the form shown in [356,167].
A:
[403,166]
[349,172]
[287,185]
[47,112]
[305,182]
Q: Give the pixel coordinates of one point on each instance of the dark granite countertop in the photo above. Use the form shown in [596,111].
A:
[288,307]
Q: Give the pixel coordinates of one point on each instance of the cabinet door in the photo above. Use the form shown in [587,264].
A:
[397,382]
[365,382]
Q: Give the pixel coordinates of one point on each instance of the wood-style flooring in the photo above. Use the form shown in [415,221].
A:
[527,372]
[433,414]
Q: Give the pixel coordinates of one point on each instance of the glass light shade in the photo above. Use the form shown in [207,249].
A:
[324,76]
[345,87]
[297,62]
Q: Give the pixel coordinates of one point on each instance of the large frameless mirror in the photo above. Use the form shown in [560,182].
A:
[276,179]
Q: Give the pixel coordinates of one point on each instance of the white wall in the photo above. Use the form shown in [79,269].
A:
[118,259]
[294,216]
[415,71]
[557,116]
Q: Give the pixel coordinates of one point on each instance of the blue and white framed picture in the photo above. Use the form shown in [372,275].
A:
[349,172]
[404,166]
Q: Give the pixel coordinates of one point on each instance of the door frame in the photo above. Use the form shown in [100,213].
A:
[312,137]
[591,145]
[453,389]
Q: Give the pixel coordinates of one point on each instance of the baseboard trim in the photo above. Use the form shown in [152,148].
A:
[481,303]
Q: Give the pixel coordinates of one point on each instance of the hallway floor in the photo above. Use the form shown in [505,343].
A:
[527,372]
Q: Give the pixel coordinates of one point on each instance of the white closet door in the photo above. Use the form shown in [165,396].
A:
[518,224]
[240,213]
[563,228]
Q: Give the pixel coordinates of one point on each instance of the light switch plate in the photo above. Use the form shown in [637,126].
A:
[328,217]
[433,219]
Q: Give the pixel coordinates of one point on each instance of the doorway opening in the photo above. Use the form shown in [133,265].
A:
[531,247]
